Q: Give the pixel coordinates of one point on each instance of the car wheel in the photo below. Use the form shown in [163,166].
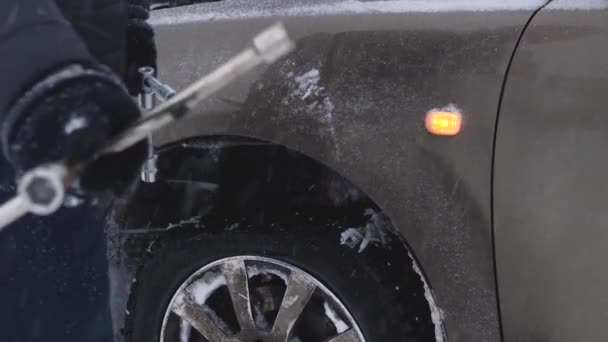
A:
[295,285]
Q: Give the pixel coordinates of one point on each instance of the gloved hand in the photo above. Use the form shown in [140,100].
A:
[68,117]
[141,48]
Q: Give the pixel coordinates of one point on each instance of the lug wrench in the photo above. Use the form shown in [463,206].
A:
[41,191]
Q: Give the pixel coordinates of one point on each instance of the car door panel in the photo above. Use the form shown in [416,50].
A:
[550,186]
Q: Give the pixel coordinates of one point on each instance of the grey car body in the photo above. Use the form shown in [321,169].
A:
[506,219]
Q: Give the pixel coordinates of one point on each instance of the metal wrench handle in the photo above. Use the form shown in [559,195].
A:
[41,190]
[268,46]
[12,210]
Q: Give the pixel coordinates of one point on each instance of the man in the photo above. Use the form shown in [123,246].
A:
[67,68]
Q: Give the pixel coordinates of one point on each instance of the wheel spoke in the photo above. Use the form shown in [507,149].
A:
[238,286]
[347,336]
[194,314]
[296,297]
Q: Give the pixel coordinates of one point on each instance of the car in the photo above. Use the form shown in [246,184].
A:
[413,171]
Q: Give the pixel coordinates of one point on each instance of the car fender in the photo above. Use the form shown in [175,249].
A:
[354,96]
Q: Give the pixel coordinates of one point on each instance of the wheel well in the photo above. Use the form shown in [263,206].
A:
[233,180]
[239,177]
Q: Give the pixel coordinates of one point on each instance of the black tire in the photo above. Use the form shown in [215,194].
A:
[378,286]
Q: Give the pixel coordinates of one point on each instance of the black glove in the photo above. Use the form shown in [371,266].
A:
[141,48]
[68,117]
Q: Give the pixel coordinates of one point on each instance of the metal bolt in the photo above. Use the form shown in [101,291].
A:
[149,169]
[152,84]
[147,101]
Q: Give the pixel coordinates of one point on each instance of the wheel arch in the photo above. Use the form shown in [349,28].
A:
[194,166]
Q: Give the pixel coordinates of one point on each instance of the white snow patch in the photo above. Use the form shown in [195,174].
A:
[310,99]
[192,220]
[150,246]
[321,106]
[289,301]
[307,83]
[373,232]
[340,325]
[75,123]
[352,237]
[242,9]
[201,289]
[185,330]
[436,312]
[232,227]
[72,201]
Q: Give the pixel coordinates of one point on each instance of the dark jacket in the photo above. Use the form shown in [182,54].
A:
[39,36]
[54,284]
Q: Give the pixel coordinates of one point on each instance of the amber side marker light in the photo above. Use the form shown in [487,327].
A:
[441,122]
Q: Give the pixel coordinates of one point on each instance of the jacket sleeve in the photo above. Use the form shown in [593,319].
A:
[35,40]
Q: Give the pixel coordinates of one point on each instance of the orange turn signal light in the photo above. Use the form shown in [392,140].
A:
[441,122]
